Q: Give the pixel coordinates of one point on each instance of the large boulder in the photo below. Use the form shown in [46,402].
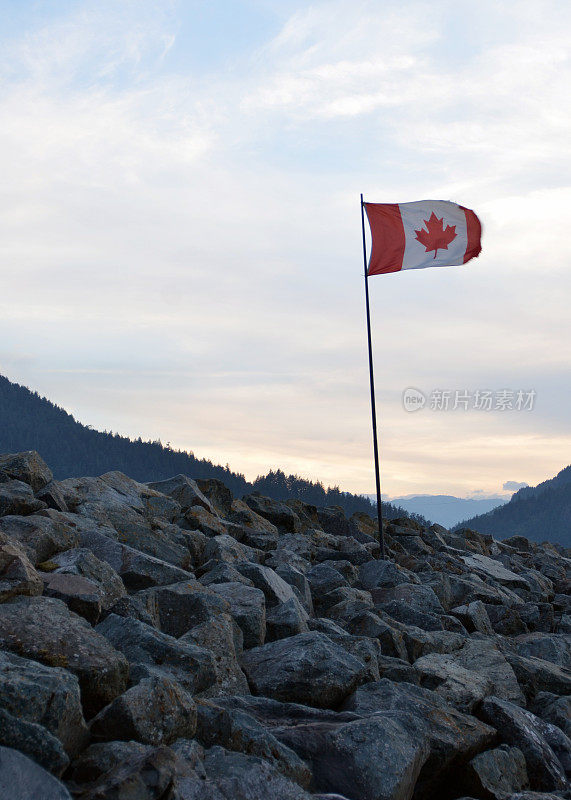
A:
[275,589]
[247,607]
[148,775]
[524,730]
[137,570]
[39,536]
[155,711]
[276,512]
[34,741]
[235,729]
[307,668]
[496,774]
[237,776]
[151,652]
[47,696]
[81,561]
[17,497]
[17,573]
[224,639]
[43,629]
[453,737]
[28,467]
[22,779]
[179,607]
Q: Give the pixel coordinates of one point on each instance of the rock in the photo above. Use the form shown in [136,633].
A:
[39,537]
[42,628]
[554,709]
[179,607]
[148,776]
[396,670]
[522,729]
[490,568]
[81,561]
[381,575]
[44,696]
[483,657]
[27,467]
[17,573]
[79,594]
[242,514]
[100,758]
[239,731]
[461,687]
[221,572]
[225,548]
[275,589]
[22,779]
[199,519]
[323,578]
[506,621]
[367,650]
[224,639]
[185,491]
[219,496]
[497,774]
[408,615]
[279,514]
[246,777]
[421,598]
[151,652]
[299,583]
[155,711]
[453,737]
[53,496]
[17,497]
[474,617]
[131,606]
[369,624]
[247,607]
[286,619]
[33,741]
[536,675]
[137,570]
[307,668]
[127,507]
[377,758]
[537,616]
[547,646]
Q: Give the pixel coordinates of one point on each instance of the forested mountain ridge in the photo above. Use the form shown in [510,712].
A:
[540,513]
[31,422]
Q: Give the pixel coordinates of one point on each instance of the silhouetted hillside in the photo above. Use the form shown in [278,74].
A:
[31,422]
[541,513]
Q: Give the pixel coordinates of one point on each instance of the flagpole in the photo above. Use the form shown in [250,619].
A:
[372,381]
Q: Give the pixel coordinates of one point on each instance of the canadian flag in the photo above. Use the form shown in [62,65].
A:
[429,233]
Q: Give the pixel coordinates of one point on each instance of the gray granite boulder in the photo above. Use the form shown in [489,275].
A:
[307,668]
[43,629]
[155,711]
[151,652]
[23,779]
[28,467]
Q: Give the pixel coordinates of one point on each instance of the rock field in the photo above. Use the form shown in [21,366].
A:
[167,641]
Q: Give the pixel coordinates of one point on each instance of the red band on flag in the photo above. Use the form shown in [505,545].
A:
[388,236]
[474,234]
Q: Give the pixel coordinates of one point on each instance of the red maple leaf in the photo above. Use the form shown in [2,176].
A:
[436,237]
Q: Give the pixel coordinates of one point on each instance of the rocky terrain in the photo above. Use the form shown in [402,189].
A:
[169,642]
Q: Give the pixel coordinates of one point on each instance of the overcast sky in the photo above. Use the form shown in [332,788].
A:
[180,238]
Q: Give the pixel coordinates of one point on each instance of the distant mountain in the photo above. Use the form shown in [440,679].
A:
[446,509]
[541,513]
[31,422]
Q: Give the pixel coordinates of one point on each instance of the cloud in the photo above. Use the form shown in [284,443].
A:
[513,486]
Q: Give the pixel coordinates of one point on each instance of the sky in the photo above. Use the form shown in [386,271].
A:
[180,234]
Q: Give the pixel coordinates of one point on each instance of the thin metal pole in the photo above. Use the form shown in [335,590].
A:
[373,407]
